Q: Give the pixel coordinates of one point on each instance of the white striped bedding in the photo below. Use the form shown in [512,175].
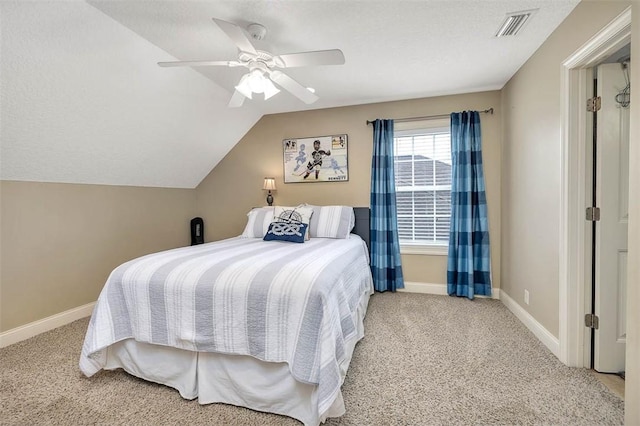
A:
[275,301]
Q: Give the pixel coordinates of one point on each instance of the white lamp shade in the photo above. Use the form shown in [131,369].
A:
[243,86]
[269,89]
[269,184]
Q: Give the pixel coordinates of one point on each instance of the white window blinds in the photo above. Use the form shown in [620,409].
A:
[423,185]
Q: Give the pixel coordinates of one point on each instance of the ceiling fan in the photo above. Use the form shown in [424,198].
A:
[263,66]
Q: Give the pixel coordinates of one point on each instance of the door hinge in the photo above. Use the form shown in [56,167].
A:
[594,104]
[593,214]
[591,321]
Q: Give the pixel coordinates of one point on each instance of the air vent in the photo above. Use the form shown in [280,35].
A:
[514,23]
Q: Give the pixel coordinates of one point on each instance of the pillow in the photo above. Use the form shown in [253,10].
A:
[293,232]
[299,214]
[332,221]
[258,223]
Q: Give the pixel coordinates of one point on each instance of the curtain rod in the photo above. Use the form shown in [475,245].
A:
[431,117]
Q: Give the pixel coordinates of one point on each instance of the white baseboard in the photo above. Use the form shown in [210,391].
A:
[26,331]
[548,339]
[427,288]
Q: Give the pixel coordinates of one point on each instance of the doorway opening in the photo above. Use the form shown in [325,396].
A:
[607,201]
[575,237]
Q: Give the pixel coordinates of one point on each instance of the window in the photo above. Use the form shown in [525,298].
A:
[423,187]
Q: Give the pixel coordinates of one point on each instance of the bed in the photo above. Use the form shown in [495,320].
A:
[266,325]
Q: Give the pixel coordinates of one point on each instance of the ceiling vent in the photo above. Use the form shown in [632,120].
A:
[514,23]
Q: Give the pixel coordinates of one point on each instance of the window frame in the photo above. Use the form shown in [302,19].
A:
[413,129]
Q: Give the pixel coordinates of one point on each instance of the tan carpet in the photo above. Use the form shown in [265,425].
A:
[425,360]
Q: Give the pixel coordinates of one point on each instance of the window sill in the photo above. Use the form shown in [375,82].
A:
[424,250]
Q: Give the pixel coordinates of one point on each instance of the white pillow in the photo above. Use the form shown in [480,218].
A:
[258,223]
[332,221]
[294,214]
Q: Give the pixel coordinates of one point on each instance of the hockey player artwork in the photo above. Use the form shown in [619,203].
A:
[317,159]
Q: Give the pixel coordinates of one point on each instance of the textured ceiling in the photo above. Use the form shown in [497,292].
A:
[394,49]
[83,100]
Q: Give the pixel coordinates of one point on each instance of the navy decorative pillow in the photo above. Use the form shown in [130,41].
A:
[286,231]
[300,214]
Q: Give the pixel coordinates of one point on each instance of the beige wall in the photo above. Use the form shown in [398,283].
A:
[234,186]
[531,177]
[531,165]
[632,388]
[61,241]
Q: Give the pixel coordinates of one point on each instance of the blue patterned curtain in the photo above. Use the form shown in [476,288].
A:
[385,247]
[469,263]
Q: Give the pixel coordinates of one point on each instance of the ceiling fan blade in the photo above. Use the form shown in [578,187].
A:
[236,100]
[306,59]
[293,87]
[199,63]
[236,35]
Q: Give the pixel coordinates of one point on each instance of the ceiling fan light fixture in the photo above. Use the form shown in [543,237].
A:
[261,75]
[256,82]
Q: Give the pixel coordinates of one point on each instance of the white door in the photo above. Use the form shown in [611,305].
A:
[612,196]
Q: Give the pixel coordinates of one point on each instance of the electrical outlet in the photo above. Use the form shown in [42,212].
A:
[526,297]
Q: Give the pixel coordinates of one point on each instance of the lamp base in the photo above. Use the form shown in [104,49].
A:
[270,199]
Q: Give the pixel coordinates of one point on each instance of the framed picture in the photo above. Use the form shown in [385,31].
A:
[316,159]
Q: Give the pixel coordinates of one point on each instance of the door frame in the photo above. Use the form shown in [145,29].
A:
[575,239]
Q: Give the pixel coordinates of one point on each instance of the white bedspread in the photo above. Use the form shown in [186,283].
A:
[275,301]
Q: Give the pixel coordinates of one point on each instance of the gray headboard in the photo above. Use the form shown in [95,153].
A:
[362,223]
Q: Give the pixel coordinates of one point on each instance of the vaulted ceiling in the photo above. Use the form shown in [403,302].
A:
[83,100]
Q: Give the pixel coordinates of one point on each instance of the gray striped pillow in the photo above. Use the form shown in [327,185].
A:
[258,223]
[331,221]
